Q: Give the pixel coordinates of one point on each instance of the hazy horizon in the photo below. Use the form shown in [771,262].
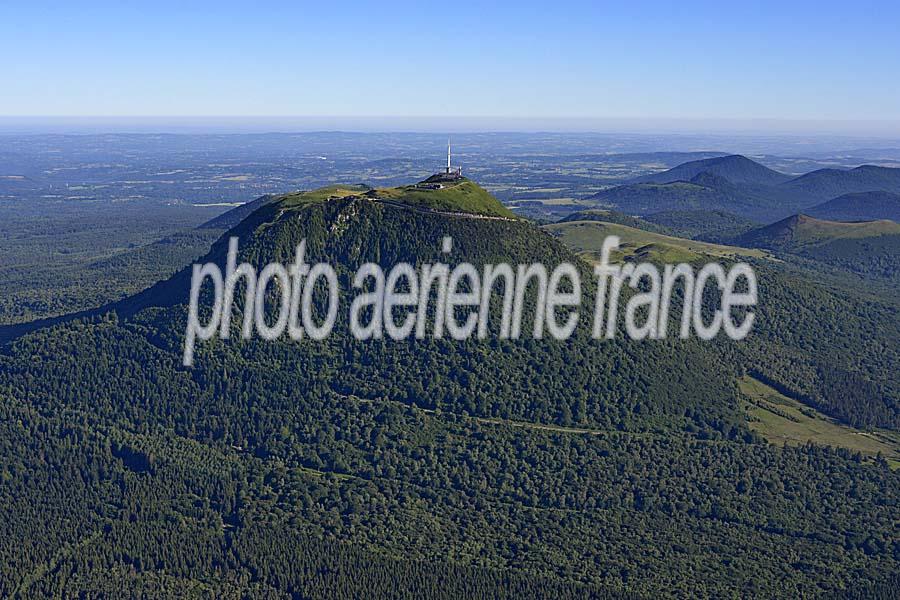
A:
[198,124]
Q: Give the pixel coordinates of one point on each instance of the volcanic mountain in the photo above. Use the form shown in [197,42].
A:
[348,226]
[426,467]
[867,248]
[703,191]
[799,232]
[824,184]
[738,185]
[735,168]
[860,206]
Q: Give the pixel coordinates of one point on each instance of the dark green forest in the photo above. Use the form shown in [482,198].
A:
[433,468]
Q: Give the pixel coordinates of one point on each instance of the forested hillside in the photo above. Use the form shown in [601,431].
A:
[867,248]
[433,468]
[825,184]
[862,206]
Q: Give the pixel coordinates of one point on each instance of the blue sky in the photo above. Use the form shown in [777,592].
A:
[684,60]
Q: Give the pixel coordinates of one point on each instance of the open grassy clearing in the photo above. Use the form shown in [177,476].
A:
[781,419]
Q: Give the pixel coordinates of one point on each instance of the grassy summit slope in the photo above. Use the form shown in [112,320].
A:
[587,236]
[461,196]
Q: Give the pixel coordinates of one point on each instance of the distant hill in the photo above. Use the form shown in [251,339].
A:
[861,206]
[738,185]
[704,191]
[802,231]
[869,248]
[830,183]
[646,198]
[734,168]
